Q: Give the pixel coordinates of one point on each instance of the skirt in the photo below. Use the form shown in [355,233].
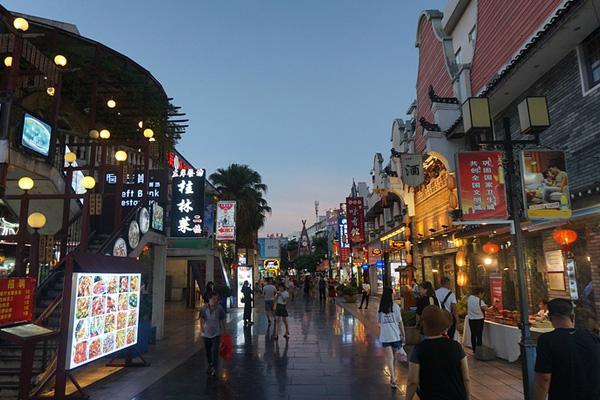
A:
[395,345]
[281,310]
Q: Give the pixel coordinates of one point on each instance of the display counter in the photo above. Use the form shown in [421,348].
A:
[504,339]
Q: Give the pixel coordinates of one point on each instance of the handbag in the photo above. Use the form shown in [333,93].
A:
[226,347]
[401,354]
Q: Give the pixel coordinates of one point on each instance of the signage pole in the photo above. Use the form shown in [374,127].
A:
[527,344]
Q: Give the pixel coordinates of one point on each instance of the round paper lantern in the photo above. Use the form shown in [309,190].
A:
[462,279]
[564,236]
[460,258]
[491,248]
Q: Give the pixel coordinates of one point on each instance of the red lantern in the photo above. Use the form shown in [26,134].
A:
[491,248]
[564,237]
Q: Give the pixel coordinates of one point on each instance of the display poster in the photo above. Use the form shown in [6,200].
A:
[556,281]
[355,219]
[554,261]
[496,291]
[545,184]
[412,169]
[187,203]
[158,218]
[16,300]
[104,315]
[226,220]
[244,273]
[481,185]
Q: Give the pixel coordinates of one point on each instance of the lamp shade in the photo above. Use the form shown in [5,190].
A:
[21,24]
[50,90]
[462,279]
[564,236]
[26,183]
[476,114]
[491,248]
[70,157]
[60,60]
[88,182]
[36,220]
[94,134]
[111,103]
[120,156]
[104,134]
[8,61]
[152,139]
[460,258]
[148,133]
[140,124]
[533,114]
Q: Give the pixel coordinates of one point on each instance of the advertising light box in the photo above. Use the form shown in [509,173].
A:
[104,315]
[36,135]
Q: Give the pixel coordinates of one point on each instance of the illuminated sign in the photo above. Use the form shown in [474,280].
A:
[396,244]
[104,315]
[225,220]
[376,252]
[187,203]
[271,264]
[380,264]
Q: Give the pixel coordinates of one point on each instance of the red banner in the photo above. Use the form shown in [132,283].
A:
[344,254]
[496,290]
[16,300]
[356,219]
[481,185]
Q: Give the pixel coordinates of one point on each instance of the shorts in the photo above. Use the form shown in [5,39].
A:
[395,345]
[269,305]
[281,311]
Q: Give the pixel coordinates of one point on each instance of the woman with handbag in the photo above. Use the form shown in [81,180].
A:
[391,332]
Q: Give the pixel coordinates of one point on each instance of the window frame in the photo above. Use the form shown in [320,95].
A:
[585,72]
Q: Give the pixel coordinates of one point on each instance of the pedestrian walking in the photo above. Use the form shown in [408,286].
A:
[447,301]
[476,308]
[269,291]
[208,290]
[568,359]
[281,313]
[322,286]
[366,292]
[416,290]
[426,298]
[307,286]
[213,326]
[437,367]
[391,331]
[331,291]
[247,292]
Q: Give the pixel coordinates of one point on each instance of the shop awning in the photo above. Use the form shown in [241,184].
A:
[95,263]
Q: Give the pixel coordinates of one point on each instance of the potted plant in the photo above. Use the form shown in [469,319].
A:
[349,293]
[413,336]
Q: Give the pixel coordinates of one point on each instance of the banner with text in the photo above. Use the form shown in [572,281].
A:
[481,185]
[356,219]
[226,220]
[187,209]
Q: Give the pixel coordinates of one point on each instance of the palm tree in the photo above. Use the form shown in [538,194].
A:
[241,183]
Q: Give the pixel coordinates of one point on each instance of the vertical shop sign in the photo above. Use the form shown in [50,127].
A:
[343,231]
[187,209]
[572,279]
[356,219]
[481,185]
[226,220]
[412,169]
[496,290]
[545,184]
[16,300]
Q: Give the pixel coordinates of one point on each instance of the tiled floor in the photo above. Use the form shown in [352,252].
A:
[332,354]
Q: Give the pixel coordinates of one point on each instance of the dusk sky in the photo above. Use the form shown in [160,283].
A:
[304,91]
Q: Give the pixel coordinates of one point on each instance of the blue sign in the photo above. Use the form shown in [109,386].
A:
[365,266]
[380,264]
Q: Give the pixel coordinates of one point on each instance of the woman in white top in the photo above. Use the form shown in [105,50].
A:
[391,331]
[281,313]
[475,309]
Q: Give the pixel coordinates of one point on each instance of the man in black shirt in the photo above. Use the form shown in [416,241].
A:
[568,359]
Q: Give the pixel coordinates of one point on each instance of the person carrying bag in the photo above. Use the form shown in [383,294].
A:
[391,333]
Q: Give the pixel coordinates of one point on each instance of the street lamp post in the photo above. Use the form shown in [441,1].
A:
[533,117]
[37,221]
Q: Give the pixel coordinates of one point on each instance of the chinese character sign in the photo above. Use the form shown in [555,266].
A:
[356,219]
[545,184]
[343,231]
[412,169]
[226,220]
[16,300]
[481,185]
[187,208]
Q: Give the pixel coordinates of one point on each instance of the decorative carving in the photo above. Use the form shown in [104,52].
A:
[388,171]
[437,99]
[428,126]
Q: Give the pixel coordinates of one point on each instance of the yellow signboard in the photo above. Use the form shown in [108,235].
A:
[271,264]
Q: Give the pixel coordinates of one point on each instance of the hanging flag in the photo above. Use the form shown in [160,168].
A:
[412,169]
[356,219]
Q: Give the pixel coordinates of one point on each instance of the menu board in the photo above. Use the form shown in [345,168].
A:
[16,300]
[104,315]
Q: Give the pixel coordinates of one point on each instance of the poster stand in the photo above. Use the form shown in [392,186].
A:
[128,359]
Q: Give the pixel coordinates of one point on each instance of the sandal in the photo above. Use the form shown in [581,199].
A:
[287,336]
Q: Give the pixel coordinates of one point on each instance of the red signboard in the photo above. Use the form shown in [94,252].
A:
[16,300]
[356,219]
[496,290]
[344,254]
[481,185]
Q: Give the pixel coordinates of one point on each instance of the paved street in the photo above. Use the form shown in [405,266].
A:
[331,355]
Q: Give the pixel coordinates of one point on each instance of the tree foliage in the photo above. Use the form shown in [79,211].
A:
[241,183]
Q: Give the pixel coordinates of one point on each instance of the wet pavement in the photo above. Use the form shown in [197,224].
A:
[330,355]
